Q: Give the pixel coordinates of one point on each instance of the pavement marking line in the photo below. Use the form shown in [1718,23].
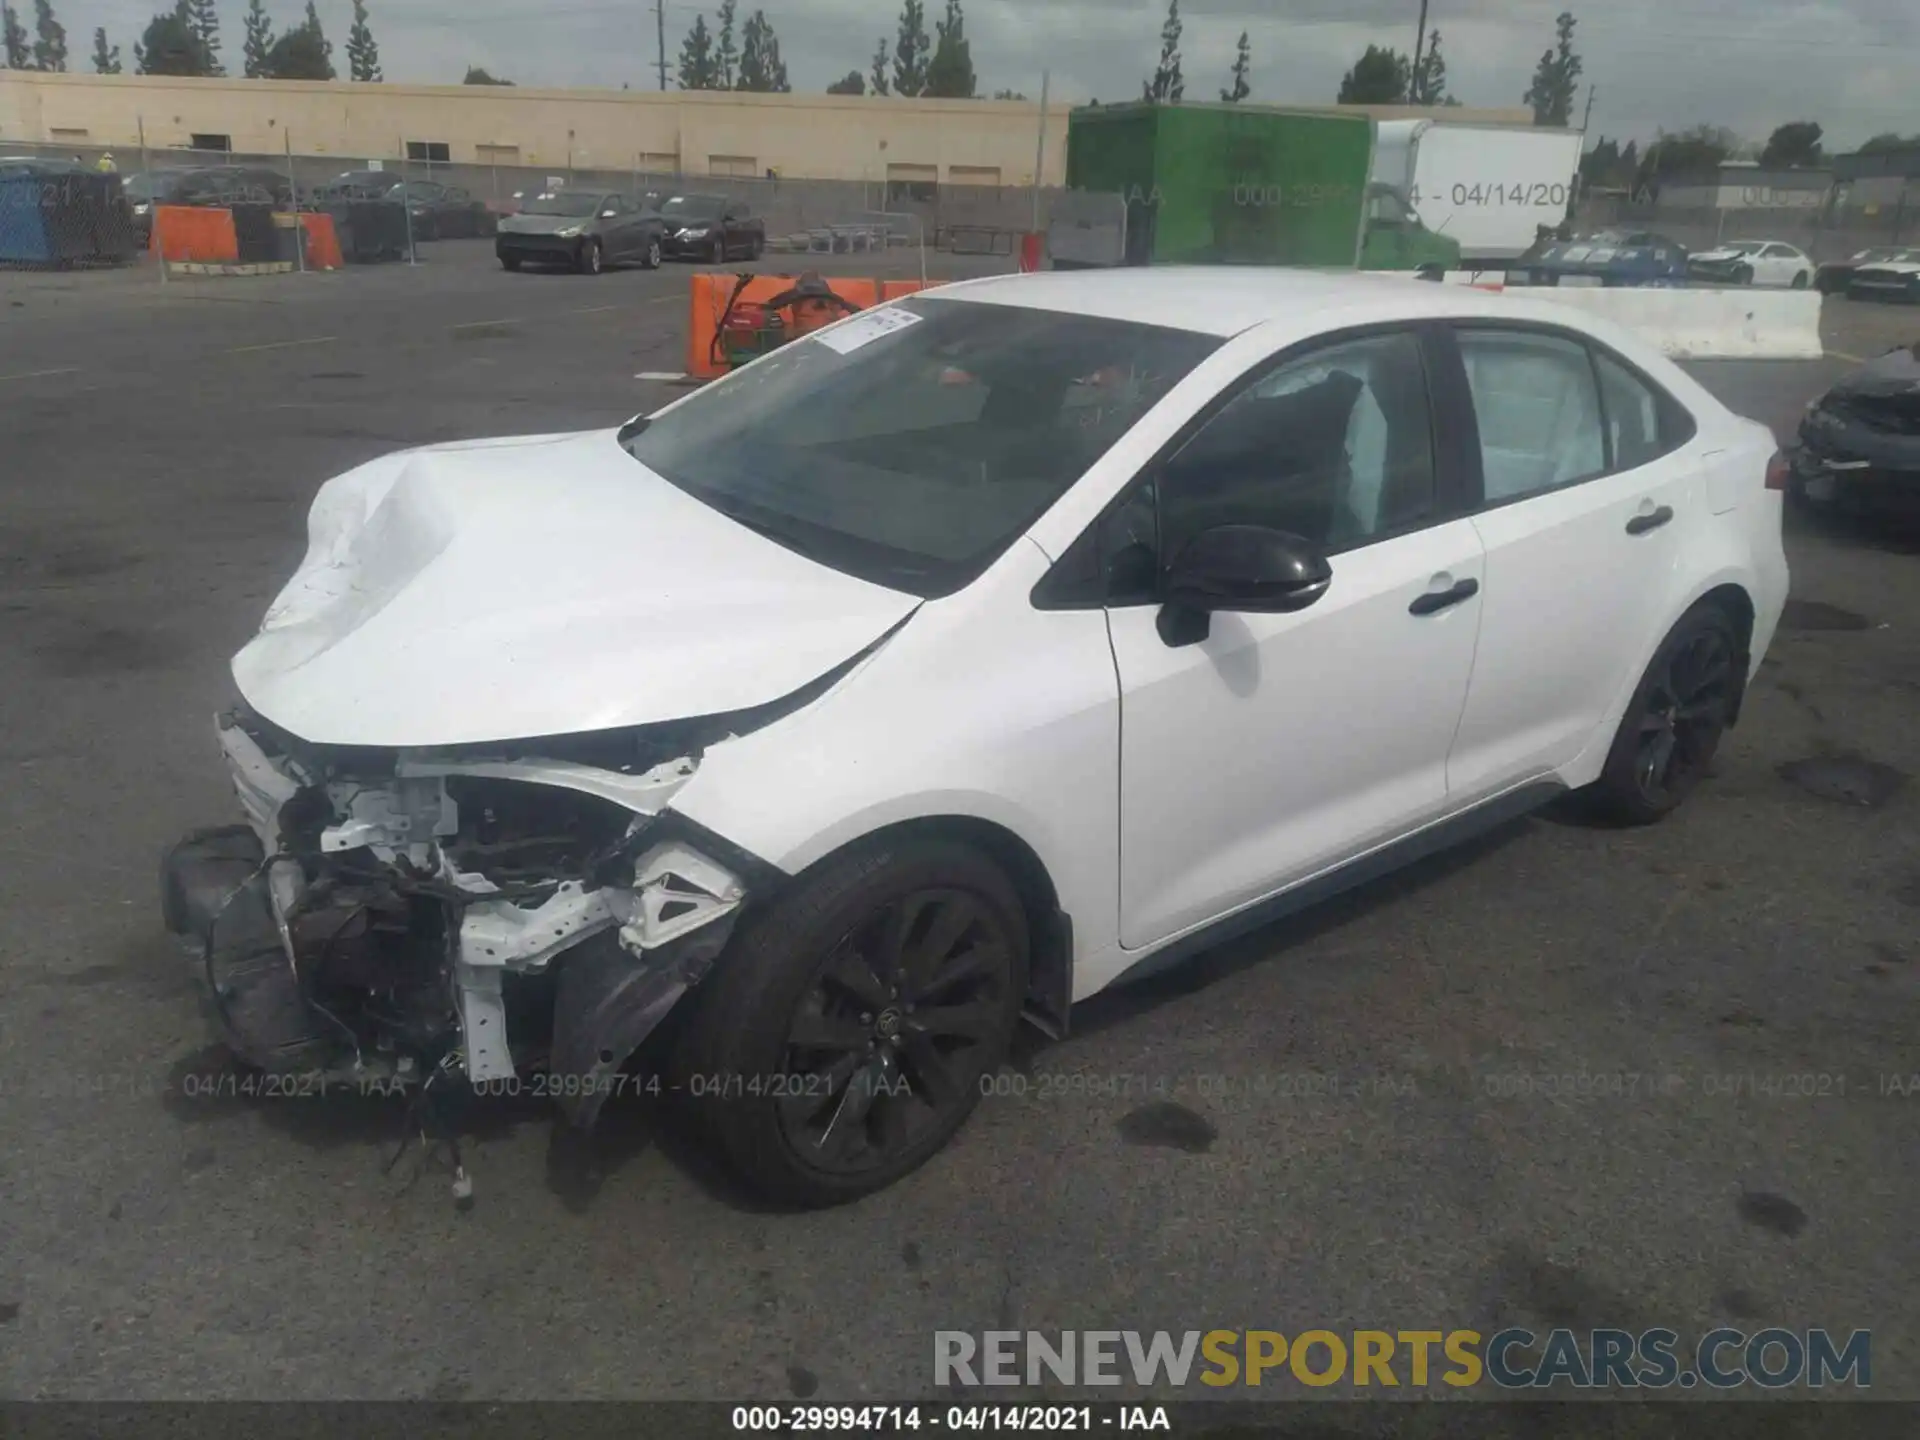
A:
[37,374]
[596,309]
[282,345]
[661,375]
[665,300]
[481,324]
[1843,355]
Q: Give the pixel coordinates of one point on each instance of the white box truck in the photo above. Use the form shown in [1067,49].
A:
[1487,187]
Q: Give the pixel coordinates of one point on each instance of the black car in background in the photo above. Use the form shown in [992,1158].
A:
[1834,277]
[712,227]
[444,212]
[214,186]
[1860,442]
[435,211]
[586,229]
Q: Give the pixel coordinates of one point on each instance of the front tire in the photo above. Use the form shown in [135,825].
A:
[1800,280]
[1743,275]
[653,258]
[869,1002]
[592,259]
[1679,711]
[510,262]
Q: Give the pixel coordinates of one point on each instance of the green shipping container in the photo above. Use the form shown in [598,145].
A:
[1227,184]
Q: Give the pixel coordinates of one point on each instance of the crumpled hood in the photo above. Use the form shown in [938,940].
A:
[1718,257]
[1891,267]
[545,585]
[1894,374]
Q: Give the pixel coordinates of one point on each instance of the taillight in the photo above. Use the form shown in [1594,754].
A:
[1779,471]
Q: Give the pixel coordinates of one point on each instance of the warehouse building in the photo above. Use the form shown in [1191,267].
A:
[905,144]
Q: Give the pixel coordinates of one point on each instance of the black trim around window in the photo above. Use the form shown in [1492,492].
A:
[1078,579]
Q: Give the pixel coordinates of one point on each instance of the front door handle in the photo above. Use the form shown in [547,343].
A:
[1436,600]
[1653,520]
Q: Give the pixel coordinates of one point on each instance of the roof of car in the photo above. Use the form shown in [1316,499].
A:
[1226,299]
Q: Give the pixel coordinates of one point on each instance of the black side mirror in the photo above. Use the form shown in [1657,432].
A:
[1239,567]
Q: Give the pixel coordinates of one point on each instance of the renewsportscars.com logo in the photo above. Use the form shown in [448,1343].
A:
[1511,1359]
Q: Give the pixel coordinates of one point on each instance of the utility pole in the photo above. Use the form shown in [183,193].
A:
[1592,90]
[1418,82]
[660,30]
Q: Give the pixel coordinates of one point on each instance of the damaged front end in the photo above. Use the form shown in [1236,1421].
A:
[394,914]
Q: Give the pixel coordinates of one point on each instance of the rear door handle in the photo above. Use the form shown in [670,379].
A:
[1436,600]
[1641,524]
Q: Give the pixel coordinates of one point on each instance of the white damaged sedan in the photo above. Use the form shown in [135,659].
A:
[945,667]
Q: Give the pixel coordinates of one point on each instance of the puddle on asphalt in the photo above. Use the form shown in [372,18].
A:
[1165,1124]
[1844,779]
[1818,615]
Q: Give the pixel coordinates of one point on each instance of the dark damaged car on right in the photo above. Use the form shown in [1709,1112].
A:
[1860,442]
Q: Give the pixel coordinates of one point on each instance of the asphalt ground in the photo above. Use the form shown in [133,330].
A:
[1566,1076]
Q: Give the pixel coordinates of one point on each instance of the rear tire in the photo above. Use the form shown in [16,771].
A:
[1672,728]
[820,991]
[756,247]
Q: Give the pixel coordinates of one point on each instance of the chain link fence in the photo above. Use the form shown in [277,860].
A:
[446,201]
[1834,229]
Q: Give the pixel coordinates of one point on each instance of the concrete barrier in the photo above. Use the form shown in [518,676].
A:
[1704,324]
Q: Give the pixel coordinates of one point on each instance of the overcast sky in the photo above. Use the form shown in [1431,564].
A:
[1850,64]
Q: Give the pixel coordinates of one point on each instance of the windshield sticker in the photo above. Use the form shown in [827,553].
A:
[867,327]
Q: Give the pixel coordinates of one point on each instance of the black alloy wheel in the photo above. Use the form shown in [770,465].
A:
[1683,716]
[1683,705]
[845,1032]
[890,1039]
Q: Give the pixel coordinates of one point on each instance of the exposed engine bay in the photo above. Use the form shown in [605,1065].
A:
[401,915]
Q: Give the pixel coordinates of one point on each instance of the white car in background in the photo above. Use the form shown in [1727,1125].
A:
[1753,262]
[946,667]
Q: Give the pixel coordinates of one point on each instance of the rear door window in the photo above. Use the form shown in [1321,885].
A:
[1538,407]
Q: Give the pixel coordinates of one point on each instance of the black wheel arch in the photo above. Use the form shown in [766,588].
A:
[1737,605]
[1049,928]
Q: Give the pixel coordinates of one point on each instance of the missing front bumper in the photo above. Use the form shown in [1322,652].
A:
[350,918]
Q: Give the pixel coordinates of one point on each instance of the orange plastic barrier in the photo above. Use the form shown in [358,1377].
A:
[709,302]
[190,234]
[323,243]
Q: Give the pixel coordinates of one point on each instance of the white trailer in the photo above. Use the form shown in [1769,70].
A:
[1488,187]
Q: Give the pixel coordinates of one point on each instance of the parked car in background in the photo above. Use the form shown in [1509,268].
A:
[1834,277]
[1612,257]
[1860,442]
[1895,278]
[356,185]
[712,227]
[443,212]
[587,229]
[223,185]
[1753,262]
[145,189]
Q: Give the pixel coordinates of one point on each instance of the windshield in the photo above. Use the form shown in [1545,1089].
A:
[912,445]
[562,204]
[146,187]
[692,207]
